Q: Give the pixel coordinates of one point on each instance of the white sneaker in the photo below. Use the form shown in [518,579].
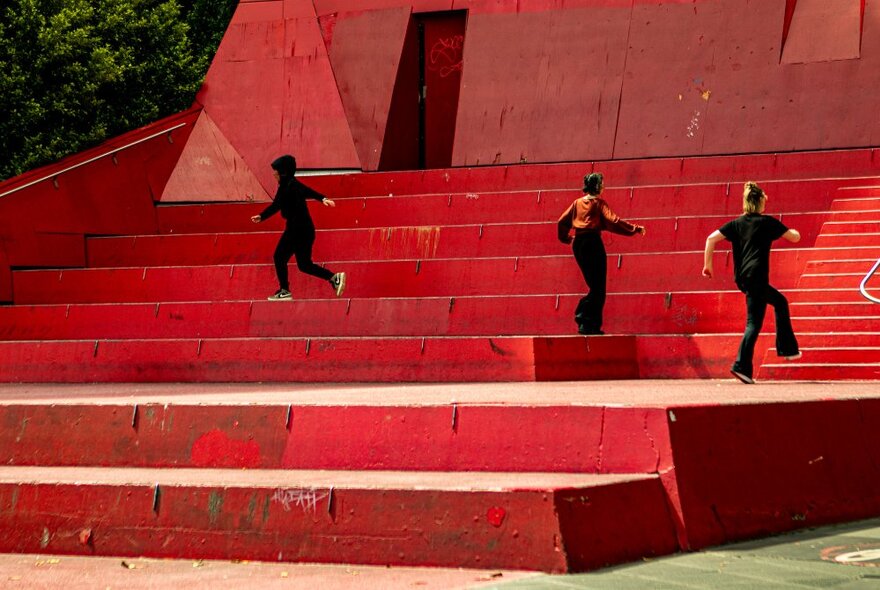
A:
[793,357]
[279,295]
[337,281]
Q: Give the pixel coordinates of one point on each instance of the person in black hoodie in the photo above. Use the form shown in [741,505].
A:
[299,232]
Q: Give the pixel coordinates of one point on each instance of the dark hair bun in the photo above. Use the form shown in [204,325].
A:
[593,183]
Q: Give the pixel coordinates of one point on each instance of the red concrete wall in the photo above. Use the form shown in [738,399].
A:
[550,81]
[44,224]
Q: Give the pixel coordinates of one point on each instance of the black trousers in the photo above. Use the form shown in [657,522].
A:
[297,241]
[589,252]
[757,298]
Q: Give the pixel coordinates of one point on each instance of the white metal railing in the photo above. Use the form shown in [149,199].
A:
[865,280]
[90,160]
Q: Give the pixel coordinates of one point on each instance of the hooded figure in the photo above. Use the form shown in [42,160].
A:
[299,232]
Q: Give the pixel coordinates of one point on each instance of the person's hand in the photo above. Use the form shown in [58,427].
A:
[328,203]
[256,219]
[708,271]
[641,230]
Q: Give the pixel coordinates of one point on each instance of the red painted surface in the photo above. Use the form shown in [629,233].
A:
[86,200]
[400,142]
[315,360]
[443,40]
[536,88]
[366,53]
[823,32]
[408,278]
[217,449]
[271,90]
[453,437]
[144,435]
[784,467]
[267,523]
[210,167]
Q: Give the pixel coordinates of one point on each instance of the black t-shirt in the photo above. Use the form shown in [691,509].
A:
[751,236]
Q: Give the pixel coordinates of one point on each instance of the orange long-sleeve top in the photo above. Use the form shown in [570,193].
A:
[591,214]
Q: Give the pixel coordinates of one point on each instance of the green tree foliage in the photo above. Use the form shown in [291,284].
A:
[76,72]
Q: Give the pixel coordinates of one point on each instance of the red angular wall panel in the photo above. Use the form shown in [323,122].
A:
[540,86]
[365,52]
[271,90]
[824,30]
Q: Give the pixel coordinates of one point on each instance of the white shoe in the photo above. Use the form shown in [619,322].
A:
[280,295]
[793,357]
[337,281]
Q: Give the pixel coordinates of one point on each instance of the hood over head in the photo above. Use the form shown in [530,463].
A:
[285,166]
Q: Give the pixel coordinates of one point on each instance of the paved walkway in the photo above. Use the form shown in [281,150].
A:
[844,557]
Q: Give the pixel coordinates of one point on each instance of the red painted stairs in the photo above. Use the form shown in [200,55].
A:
[837,327]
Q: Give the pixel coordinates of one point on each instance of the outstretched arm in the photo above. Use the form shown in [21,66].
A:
[715,237]
[792,235]
[615,224]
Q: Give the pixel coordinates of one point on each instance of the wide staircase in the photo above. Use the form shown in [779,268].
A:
[449,280]
[463,286]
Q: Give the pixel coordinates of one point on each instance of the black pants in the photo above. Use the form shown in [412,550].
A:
[297,241]
[589,252]
[757,298]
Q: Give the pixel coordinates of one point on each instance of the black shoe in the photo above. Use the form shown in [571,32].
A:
[585,331]
[747,379]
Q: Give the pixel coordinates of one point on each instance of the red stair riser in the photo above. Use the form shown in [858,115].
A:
[545,314]
[474,207]
[828,372]
[848,241]
[500,529]
[470,241]
[834,356]
[851,202]
[317,360]
[462,277]
[452,437]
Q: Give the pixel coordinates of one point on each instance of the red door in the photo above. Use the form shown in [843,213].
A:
[441,37]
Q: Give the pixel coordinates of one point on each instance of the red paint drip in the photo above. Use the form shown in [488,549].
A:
[216,449]
[495,516]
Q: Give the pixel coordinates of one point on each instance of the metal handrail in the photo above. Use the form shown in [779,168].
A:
[864,282]
[90,160]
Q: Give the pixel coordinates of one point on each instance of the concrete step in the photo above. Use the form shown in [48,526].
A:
[870,200]
[832,371]
[412,432]
[852,227]
[830,309]
[341,360]
[551,522]
[463,207]
[843,168]
[418,242]
[861,239]
[626,313]
[836,324]
[675,271]
[839,356]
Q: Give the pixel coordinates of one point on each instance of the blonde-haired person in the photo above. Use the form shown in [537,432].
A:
[751,236]
[586,218]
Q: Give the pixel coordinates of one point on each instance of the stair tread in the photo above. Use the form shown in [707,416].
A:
[293,479]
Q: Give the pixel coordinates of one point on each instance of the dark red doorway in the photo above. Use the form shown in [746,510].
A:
[442,42]
[421,122]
